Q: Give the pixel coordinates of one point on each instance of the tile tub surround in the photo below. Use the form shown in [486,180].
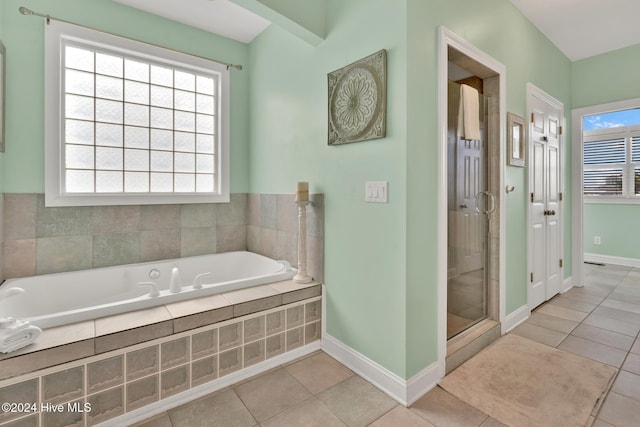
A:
[40,240]
[272,229]
[85,339]
[129,378]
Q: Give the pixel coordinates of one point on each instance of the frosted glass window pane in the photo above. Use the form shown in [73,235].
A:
[78,82]
[80,59]
[204,144]
[136,160]
[204,104]
[134,70]
[161,161]
[110,135]
[185,121]
[162,182]
[185,81]
[204,183]
[161,118]
[161,96]
[185,183]
[108,158]
[108,182]
[136,182]
[185,142]
[78,107]
[78,156]
[161,76]
[185,162]
[109,88]
[204,163]
[135,137]
[185,100]
[205,123]
[136,92]
[109,65]
[161,139]
[137,115]
[206,85]
[108,111]
[79,181]
[78,132]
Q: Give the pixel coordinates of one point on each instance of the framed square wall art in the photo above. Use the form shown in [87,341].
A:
[517,140]
[358,100]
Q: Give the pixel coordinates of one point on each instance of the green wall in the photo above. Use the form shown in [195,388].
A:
[597,80]
[381,260]
[2,18]
[24,38]
[364,242]
[499,29]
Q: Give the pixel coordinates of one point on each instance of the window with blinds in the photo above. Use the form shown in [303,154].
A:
[137,124]
[611,163]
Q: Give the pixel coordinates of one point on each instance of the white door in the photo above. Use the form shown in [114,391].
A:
[545,211]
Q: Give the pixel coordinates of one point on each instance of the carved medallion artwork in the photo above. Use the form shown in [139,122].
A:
[357,100]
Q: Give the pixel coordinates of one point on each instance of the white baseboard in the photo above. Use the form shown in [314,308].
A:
[187,396]
[403,391]
[515,318]
[567,284]
[608,259]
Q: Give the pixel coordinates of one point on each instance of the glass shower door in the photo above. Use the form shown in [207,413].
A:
[470,206]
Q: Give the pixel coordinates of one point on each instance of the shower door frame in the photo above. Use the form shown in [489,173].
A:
[449,39]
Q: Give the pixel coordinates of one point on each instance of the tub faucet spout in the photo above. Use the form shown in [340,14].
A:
[153,288]
[175,285]
[197,282]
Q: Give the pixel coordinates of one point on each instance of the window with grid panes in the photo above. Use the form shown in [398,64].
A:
[136,123]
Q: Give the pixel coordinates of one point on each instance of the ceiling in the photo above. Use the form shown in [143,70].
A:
[584,28]
[215,16]
[579,28]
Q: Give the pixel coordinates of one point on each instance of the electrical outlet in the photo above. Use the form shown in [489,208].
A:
[597,240]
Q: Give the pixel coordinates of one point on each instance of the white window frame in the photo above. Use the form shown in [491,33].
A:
[628,167]
[56,33]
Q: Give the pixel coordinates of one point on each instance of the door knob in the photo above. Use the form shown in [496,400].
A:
[552,213]
[463,206]
[544,138]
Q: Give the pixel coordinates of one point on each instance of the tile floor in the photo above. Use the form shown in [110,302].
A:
[600,321]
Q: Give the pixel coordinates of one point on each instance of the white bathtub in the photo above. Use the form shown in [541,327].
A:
[57,299]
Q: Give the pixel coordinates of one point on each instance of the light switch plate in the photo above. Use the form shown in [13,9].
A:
[376,192]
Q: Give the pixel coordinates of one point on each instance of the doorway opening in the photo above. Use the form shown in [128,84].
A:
[471,274]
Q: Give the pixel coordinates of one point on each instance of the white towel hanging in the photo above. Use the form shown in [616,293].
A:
[469,113]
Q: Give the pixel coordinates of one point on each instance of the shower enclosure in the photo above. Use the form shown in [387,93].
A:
[470,206]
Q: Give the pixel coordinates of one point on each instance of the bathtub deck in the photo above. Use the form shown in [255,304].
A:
[84,339]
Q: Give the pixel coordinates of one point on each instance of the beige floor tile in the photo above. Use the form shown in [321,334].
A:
[621,305]
[400,416]
[221,409]
[269,394]
[628,384]
[612,324]
[310,413]
[593,350]
[443,409]
[632,363]
[552,322]
[567,302]
[539,334]
[356,402]
[613,313]
[620,411]
[600,423]
[562,312]
[602,336]
[318,372]
[636,347]
[579,294]
[491,422]
[161,420]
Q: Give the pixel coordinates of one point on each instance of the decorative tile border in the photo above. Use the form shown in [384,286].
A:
[124,380]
